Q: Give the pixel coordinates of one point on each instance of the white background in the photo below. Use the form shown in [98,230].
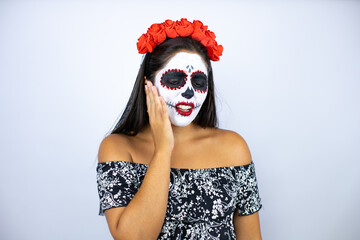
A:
[288,82]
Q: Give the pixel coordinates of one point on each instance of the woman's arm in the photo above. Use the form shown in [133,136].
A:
[144,216]
[247,227]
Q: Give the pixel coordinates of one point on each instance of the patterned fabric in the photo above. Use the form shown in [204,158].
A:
[201,202]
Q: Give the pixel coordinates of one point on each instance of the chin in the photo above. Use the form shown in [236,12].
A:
[178,123]
[182,121]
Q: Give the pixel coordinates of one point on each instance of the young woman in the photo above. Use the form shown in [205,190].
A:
[167,171]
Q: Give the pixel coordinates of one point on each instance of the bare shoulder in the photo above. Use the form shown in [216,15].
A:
[234,147]
[114,147]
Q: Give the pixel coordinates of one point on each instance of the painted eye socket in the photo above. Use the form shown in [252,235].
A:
[173,79]
[199,81]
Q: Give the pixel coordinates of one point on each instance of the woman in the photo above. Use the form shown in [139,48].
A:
[167,171]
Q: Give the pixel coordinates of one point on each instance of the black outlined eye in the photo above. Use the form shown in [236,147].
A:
[199,81]
[173,79]
[198,84]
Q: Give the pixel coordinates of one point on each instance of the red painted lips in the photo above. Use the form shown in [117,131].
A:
[184,108]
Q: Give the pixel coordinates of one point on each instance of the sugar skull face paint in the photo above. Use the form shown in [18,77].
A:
[183,83]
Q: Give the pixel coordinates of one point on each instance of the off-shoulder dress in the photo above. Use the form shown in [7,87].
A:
[201,202]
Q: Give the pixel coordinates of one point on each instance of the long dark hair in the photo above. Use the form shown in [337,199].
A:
[135,116]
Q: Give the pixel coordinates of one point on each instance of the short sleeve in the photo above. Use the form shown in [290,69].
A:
[117,184]
[248,198]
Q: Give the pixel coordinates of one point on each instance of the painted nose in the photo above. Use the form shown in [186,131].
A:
[189,93]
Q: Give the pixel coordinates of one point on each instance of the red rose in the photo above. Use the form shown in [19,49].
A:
[158,33]
[145,43]
[184,28]
[215,52]
[170,29]
[209,39]
[199,30]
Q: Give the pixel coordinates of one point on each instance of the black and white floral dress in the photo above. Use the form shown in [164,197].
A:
[201,202]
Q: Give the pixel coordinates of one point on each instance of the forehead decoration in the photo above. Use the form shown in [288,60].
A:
[158,32]
[189,68]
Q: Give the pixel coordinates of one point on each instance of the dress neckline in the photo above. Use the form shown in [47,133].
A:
[181,169]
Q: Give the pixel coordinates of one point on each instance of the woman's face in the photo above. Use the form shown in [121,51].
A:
[183,83]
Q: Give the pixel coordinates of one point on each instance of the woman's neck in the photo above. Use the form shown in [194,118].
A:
[181,134]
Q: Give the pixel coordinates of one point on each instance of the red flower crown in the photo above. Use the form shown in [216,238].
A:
[158,32]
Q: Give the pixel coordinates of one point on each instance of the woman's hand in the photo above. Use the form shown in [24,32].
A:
[159,119]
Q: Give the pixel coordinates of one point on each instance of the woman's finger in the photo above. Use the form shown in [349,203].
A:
[154,100]
[148,100]
[157,104]
[147,96]
[164,108]
[151,98]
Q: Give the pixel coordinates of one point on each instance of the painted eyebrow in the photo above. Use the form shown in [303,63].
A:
[198,72]
[176,72]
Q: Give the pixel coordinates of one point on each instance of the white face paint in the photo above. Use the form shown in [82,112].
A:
[183,83]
